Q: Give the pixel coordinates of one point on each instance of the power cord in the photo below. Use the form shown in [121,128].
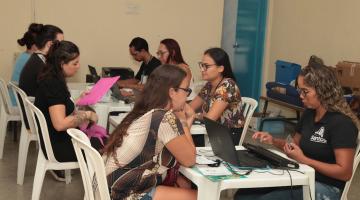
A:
[291,185]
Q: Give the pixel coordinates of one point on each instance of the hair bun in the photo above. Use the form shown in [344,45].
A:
[35,28]
[21,42]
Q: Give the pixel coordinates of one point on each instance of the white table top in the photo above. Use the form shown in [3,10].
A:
[103,109]
[209,190]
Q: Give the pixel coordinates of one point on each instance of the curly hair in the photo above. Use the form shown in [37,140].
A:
[328,89]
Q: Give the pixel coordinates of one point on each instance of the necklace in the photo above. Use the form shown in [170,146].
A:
[217,86]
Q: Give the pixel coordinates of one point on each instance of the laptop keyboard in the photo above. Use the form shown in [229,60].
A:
[275,159]
[247,159]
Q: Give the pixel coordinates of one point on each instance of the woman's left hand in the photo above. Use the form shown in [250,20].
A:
[293,151]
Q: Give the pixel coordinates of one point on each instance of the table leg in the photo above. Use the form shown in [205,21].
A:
[208,190]
[309,190]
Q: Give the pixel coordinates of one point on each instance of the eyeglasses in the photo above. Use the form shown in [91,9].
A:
[161,53]
[205,66]
[302,91]
[188,90]
[135,53]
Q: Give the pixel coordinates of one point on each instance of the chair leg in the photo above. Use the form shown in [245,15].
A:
[39,176]
[3,127]
[68,176]
[22,158]
[13,127]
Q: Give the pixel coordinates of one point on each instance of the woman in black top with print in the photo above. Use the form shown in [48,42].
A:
[325,136]
[53,99]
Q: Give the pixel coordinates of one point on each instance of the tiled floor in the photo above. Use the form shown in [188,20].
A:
[54,190]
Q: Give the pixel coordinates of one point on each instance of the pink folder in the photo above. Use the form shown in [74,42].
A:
[98,91]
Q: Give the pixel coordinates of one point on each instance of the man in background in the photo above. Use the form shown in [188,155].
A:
[139,50]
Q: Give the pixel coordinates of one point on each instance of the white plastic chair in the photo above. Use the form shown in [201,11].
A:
[93,167]
[27,134]
[7,113]
[248,107]
[355,165]
[50,163]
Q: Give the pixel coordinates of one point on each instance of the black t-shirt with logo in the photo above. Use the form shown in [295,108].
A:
[319,139]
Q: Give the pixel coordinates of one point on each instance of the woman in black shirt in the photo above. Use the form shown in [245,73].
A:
[53,99]
[325,136]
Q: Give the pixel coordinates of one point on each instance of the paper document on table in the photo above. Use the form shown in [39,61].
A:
[214,171]
[202,160]
[98,91]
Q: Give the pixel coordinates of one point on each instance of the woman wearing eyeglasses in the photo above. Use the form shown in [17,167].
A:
[169,52]
[325,137]
[220,98]
[151,139]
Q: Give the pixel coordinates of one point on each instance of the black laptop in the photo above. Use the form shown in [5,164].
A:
[254,157]
[94,75]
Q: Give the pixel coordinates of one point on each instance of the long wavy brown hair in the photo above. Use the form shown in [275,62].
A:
[154,95]
[328,89]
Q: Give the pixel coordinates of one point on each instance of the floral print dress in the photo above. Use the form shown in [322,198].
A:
[142,157]
[229,92]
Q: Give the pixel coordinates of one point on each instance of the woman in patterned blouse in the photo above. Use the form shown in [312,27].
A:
[220,98]
[153,137]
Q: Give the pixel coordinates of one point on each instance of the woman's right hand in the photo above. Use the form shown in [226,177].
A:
[264,137]
[91,116]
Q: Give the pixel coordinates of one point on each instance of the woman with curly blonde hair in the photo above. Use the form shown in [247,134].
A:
[325,136]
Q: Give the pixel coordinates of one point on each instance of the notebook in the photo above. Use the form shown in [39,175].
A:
[222,145]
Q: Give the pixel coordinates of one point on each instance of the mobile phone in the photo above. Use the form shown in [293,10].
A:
[288,141]
[216,164]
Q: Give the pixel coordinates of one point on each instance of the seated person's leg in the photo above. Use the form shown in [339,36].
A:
[326,192]
[173,193]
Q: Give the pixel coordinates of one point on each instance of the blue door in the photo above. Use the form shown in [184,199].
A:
[249,46]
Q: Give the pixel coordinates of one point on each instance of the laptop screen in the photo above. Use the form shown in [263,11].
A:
[93,73]
[221,141]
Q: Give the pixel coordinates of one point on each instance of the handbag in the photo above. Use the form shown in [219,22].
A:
[171,176]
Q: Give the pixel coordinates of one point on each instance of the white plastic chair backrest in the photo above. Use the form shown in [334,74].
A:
[5,98]
[25,113]
[248,107]
[41,128]
[355,165]
[90,165]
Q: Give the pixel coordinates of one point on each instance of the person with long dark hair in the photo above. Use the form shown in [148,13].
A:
[220,98]
[325,137]
[169,52]
[153,137]
[53,99]
[46,36]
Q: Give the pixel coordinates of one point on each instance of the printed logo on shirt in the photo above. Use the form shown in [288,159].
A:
[319,136]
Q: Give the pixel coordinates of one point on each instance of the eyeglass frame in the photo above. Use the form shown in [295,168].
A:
[302,91]
[161,53]
[188,90]
[135,53]
[205,66]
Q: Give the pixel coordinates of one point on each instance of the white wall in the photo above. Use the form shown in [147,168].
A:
[15,17]
[298,29]
[103,29]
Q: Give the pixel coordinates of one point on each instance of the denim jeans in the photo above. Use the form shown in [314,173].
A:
[322,192]
[149,195]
